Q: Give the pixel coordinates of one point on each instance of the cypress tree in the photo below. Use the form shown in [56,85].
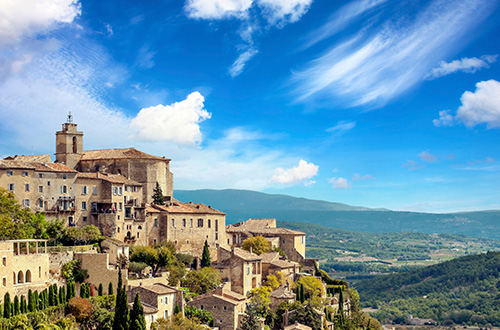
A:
[110,288]
[121,319]
[62,295]
[6,306]
[31,301]
[68,291]
[137,321]
[46,300]
[82,290]
[302,298]
[24,307]
[36,299]
[158,195]
[51,295]
[56,295]
[101,289]
[41,304]
[177,310]
[205,257]
[15,310]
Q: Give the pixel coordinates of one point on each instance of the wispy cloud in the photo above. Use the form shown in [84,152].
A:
[375,66]
[468,65]
[412,165]
[342,126]
[427,157]
[277,13]
[339,183]
[479,107]
[145,57]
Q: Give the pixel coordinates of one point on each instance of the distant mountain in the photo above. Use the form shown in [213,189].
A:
[461,291]
[244,200]
[240,205]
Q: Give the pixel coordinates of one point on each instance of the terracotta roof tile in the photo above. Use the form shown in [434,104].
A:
[297,326]
[31,158]
[113,178]
[269,257]
[242,254]
[283,293]
[40,167]
[194,208]
[126,153]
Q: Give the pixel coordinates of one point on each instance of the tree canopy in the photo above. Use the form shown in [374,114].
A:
[257,244]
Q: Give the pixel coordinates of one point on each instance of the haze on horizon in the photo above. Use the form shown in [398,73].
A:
[376,103]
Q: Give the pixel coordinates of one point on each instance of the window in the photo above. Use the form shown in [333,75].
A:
[25,173]
[10,173]
[120,205]
[48,183]
[183,222]
[26,202]
[84,219]
[302,239]
[215,307]
[40,189]
[225,308]
[64,189]
[65,176]
[27,187]
[216,236]
[4,261]
[4,281]
[155,222]
[127,212]
[85,190]
[154,241]
[191,223]
[134,189]
[200,223]
[173,222]
[84,205]
[201,306]
[166,300]
[120,191]
[94,190]
[40,175]
[209,224]
[40,203]
[137,234]
[12,187]
[248,270]
[115,190]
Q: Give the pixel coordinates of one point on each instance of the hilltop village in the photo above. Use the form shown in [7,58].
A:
[117,191]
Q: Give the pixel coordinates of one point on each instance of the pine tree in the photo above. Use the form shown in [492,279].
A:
[6,306]
[205,257]
[101,289]
[251,320]
[16,308]
[158,195]
[137,321]
[110,288]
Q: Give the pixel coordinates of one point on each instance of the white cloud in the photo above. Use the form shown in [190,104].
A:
[144,59]
[241,61]
[28,18]
[178,122]
[378,64]
[445,119]
[427,157]
[280,12]
[412,165]
[217,9]
[468,65]
[109,29]
[342,126]
[479,107]
[339,183]
[298,174]
[357,177]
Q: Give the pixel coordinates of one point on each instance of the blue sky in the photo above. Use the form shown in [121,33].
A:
[377,103]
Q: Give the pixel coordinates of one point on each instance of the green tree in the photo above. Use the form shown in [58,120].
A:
[137,321]
[307,316]
[101,289]
[121,318]
[205,257]
[204,316]
[62,294]
[257,245]
[110,288]
[7,311]
[55,229]
[201,281]
[158,195]
[155,257]
[16,308]
[24,306]
[261,300]
[251,319]
[31,301]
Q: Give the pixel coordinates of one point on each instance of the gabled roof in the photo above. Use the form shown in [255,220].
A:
[242,254]
[178,207]
[40,167]
[269,257]
[30,158]
[297,326]
[125,153]
[283,264]
[113,178]
[282,293]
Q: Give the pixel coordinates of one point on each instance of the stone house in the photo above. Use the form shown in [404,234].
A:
[24,266]
[292,242]
[272,263]
[242,268]
[114,248]
[159,301]
[227,307]
[282,294]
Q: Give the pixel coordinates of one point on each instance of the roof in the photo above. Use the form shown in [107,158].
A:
[227,296]
[30,158]
[297,326]
[178,207]
[148,309]
[261,227]
[282,293]
[283,264]
[112,178]
[125,153]
[242,254]
[159,288]
[40,167]
[269,257]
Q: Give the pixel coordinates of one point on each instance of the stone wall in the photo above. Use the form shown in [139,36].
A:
[56,261]
[97,266]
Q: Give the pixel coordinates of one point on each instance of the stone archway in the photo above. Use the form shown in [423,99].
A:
[28,276]
[20,277]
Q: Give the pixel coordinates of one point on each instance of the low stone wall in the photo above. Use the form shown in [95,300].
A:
[97,266]
[56,261]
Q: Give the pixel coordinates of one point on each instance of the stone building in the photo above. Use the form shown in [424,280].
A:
[272,263]
[292,242]
[24,266]
[242,268]
[159,301]
[111,189]
[227,307]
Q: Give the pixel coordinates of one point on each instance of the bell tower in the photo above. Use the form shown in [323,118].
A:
[69,144]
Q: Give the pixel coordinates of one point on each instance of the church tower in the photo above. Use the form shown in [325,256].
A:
[69,144]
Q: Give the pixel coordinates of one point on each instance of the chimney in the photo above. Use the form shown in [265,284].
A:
[250,249]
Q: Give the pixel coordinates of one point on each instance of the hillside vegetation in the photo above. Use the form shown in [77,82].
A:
[465,290]
[240,205]
[351,252]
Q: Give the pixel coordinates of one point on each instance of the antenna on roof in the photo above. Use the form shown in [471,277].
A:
[70,118]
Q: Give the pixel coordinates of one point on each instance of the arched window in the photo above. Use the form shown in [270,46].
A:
[20,277]
[28,276]
[75,148]
[14,273]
